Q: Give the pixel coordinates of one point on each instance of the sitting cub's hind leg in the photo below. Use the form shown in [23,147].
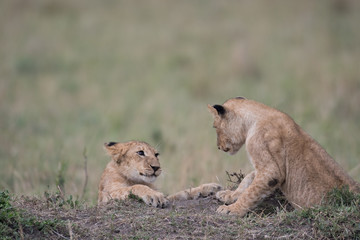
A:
[229,197]
[203,190]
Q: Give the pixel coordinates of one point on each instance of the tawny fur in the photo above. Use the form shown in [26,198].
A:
[282,154]
[203,190]
[134,166]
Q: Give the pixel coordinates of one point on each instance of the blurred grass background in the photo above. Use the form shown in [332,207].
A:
[76,74]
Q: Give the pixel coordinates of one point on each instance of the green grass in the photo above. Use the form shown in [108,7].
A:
[76,74]
[339,219]
[17,224]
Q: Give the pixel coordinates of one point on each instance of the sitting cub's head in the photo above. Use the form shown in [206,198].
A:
[229,126]
[135,160]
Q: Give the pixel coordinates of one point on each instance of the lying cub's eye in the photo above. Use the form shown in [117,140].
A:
[141,153]
[157,154]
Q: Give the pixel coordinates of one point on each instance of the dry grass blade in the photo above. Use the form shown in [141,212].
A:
[70,230]
[86,173]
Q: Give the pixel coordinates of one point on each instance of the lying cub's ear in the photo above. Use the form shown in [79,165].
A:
[115,150]
[217,110]
[110,147]
[109,144]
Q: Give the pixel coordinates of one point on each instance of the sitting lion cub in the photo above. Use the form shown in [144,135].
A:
[283,155]
[133,168]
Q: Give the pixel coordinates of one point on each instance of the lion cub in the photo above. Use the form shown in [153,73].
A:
[283,155]
[134,166]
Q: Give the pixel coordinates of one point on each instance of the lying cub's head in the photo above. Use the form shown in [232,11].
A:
[229,125]
[135,160]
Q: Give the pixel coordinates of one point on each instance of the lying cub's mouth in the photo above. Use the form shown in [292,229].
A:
[148,175]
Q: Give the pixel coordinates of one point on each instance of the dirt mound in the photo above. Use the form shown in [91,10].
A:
[129,219]
[56,217]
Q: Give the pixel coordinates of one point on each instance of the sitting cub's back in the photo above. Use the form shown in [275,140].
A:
[310,172]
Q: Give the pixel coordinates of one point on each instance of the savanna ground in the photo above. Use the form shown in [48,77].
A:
[76,74]
[55,216]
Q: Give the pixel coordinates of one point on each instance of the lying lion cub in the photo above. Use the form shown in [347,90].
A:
[134,166]
[283,155]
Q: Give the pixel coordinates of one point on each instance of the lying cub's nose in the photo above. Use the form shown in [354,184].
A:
[155,168]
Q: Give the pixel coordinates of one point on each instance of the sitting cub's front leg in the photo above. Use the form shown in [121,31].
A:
[203,190]
[229,197]
[261,187]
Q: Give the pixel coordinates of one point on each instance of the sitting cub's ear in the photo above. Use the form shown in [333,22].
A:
[240,98]
[217,110]
[115,150]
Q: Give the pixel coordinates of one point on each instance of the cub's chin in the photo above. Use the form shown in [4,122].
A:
[233,152]
[148,178]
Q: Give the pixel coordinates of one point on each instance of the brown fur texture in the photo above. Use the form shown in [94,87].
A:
[134,166]
[282,154]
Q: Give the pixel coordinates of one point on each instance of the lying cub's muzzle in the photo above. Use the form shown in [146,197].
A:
[155,168]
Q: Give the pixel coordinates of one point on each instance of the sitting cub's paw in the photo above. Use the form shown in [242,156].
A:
[155,199]
[231,210]
[225,196]
[209,189]
[223,209]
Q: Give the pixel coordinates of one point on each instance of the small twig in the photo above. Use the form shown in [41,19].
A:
[86,173]
[229,177]
[239,177]
[58,234]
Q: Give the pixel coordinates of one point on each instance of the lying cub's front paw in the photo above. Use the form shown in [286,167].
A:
[209,189]
[156,200]
[225,196]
